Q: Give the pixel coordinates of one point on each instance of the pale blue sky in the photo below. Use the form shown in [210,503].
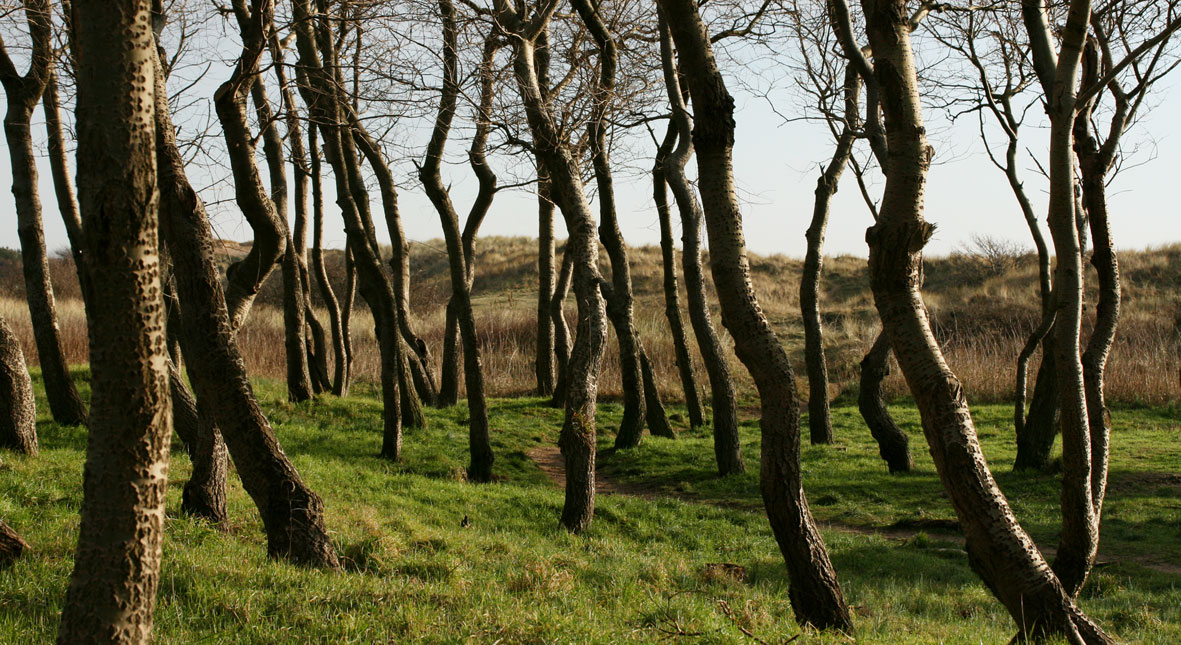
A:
[776,168]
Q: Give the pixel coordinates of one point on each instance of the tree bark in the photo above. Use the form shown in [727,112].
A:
[893,444]
[112,591]
[727,448]
[546,277]
[814,592]
[63,183]
[672,301]
[999,550]
[321,93]
[23,93]
[18,418]
[1036,435]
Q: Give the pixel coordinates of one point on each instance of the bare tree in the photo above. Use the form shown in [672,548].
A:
[292,514]
[999,550]
[341,361]
[727,447]
[324,96]
[668,264]
[23,94]
[578,431]
[459,249]
[815,595]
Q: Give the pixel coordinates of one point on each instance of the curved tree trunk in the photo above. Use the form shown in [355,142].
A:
[292,514]
[23,93]
[672,301]
[18,418]
[449,364]
[479,442]
[893,444]
[63,183]
[819,415]
[815,594]
[340,379]
[577,440]
[998,548]
[322,94]
[619,296]
[727,448]
[557,314]
[112,591]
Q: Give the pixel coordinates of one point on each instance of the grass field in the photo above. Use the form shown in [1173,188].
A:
[649,569]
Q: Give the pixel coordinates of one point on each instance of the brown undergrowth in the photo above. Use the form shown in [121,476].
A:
[980,315]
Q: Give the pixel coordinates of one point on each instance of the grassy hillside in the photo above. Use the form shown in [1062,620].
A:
[685,557]
[982,312]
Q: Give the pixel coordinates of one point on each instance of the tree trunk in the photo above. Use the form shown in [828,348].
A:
[546,342]
[449,366]
[557,314]
[672,301]
[18,418]
[893,444]
[479,442]
[577,440]
[63,183]
[322,94]
[23,93]
[1035,438]
[819,415]
[340,379]
[292,514]
[998,548]
[727,448]
[619,297]
[814,592]
[112,591]
[12,546]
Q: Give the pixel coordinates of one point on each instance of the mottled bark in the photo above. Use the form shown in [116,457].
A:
[112,591]
[999,550]
[893,444]
[23,94]
[672,299]
[18,418]
[577,440]
[727,448]
[814,592]
[292,514]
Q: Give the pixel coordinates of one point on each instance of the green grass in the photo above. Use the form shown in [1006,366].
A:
[639,574]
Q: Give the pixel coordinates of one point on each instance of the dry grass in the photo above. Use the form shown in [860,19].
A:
[981,320]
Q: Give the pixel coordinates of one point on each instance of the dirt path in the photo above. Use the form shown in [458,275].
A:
[549,460]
